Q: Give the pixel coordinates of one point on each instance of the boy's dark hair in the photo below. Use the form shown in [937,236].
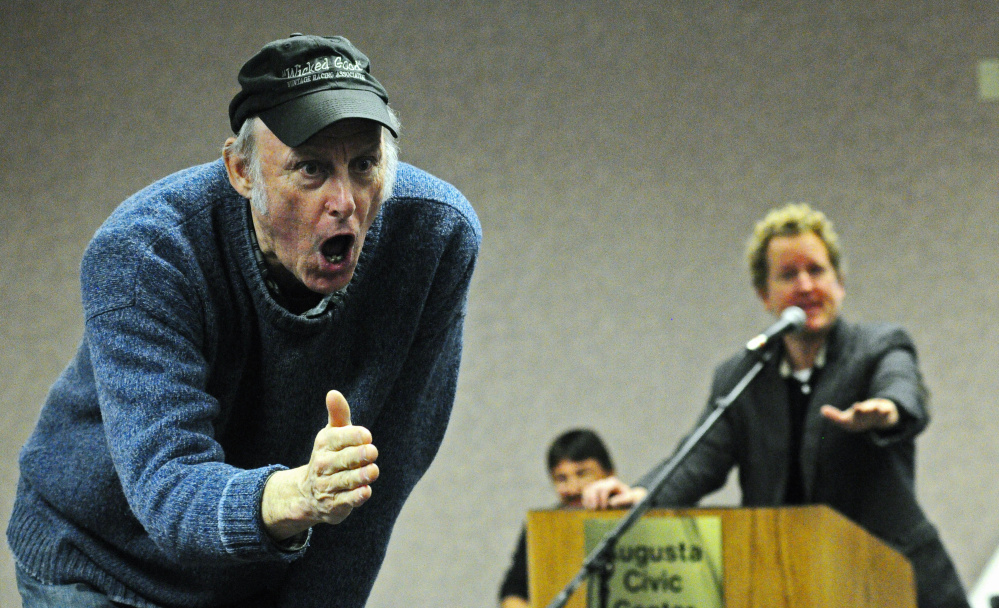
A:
[577,445]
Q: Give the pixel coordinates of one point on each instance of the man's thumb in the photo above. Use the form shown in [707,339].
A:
[339,411]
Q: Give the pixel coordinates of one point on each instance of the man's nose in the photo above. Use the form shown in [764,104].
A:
[339,197]
[804,281]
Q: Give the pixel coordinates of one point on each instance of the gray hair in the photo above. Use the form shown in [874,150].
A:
[244,146]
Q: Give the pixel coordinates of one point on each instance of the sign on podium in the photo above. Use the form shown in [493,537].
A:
[784,557]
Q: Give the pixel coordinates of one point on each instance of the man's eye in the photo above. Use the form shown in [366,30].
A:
[310,168]
[363,165]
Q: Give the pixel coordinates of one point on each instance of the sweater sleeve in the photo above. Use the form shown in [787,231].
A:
[145,327]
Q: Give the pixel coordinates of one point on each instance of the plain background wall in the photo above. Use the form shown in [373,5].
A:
[618,155]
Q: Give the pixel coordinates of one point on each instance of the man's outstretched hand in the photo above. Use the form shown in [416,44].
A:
[872,414]
[336,481]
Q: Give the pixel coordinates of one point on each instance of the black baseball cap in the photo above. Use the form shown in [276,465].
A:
[301,84]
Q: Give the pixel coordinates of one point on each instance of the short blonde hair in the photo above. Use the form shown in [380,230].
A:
[790,220]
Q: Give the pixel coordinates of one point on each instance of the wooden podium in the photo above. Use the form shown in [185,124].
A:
[786,557]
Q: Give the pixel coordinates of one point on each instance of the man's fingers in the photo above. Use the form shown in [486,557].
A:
[338,409]
[836,415]
[602,496]
[866,407]
[342,504]
[864,415]
[336,494]
[627,497]
[591,495]
[328,459]
[879,413]
[327,486]
[608,492]
[624,499]
[339,433]
[334,439]
[358,497]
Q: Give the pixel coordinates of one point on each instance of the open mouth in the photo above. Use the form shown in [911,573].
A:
[336,249]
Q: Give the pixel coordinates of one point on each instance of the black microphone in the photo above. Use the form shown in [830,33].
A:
[791,319]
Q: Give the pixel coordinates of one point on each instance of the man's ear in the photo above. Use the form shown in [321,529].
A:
[238,169]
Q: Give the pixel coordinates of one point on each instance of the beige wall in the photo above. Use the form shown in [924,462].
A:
[617,155]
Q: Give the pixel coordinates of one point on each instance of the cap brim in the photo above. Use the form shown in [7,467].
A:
[296,120]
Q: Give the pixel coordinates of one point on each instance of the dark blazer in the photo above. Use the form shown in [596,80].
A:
[868,477]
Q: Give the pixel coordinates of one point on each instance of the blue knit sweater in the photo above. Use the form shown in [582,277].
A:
[191,385]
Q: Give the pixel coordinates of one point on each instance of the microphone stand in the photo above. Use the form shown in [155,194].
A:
[600,561]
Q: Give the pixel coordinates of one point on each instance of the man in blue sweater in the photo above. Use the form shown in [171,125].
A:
[258,331]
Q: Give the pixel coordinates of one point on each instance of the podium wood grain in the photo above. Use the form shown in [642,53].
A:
[787,557]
